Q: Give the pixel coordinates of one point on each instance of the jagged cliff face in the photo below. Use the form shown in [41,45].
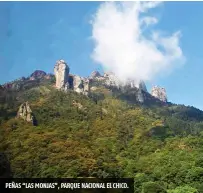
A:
[81,85]
[137,84]
[112,80]
[25,112]
[61,71]
[140,96]
[95,74]
[159,93]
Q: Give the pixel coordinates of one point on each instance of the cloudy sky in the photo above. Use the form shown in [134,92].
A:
[160,43]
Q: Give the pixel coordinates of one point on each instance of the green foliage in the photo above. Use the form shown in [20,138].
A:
[183,189]
[152,187]
[161,147]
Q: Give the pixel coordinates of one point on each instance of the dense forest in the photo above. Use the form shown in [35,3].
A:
[102,135]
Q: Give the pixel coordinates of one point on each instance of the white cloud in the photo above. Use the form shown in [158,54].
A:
[121,46]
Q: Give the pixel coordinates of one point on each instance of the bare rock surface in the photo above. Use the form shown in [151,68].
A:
[25,112]
[95,74]
[61,71]
[159,93]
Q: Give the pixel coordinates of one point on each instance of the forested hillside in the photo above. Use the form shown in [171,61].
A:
[105,134]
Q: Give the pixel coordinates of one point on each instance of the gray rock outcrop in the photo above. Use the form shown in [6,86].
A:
[81,85]
[61,71]
[95,74]
[137,84]
[78,84]
[159,93]
[25,112]
[140,96]
[111,79]
[86,87]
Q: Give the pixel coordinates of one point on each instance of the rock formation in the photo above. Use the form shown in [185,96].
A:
[159,93]
[25,112]
[142,86]
[61,71]
[37,74]
[137,84]
[80,85]
[95,74]
[111,79]
[140,96]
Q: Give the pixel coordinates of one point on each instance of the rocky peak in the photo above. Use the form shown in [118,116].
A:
[137,84]
[37,74]
[111,79]
[142,85]
[95,74]
[159,93]
[61,71]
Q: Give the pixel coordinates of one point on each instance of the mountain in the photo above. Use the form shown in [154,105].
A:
[64,125]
